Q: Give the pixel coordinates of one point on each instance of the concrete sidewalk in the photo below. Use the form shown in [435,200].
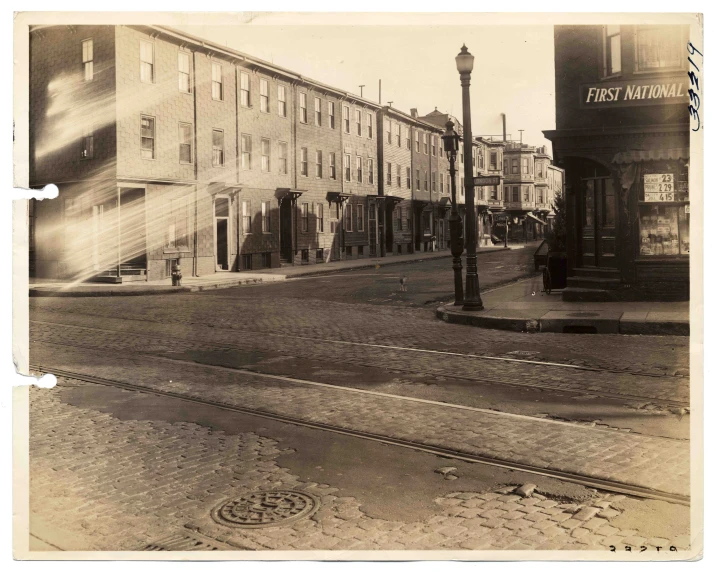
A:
[523,307]
[225,279]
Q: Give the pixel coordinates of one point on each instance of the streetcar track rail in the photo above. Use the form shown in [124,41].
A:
[628,398]
[385,346]
[600,484]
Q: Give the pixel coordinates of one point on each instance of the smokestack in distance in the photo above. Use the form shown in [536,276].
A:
[504,127]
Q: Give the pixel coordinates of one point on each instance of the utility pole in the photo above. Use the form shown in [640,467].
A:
[380,92]
[360,90]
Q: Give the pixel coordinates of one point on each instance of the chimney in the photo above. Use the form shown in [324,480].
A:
[504,127]
[414,112]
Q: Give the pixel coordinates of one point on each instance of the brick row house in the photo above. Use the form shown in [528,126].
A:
[168,149]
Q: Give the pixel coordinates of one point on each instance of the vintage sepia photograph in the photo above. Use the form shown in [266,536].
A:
[358,286]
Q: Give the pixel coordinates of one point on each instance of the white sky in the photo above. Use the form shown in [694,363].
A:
[513,69]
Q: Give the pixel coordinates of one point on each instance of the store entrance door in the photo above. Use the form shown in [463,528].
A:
[598,227]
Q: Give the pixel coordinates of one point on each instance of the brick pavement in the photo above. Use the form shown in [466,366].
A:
[657,463]
[158,337]
[272,310]
[109,484]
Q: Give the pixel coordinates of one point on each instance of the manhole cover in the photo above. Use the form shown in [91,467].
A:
[265,508]
[582,314]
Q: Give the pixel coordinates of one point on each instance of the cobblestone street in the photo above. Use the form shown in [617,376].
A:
[340,356]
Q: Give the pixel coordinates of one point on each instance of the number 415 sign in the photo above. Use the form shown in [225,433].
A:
[659,188]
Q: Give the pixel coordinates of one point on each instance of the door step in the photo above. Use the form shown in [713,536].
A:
[575,294]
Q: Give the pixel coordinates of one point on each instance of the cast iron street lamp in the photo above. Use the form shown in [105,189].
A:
[451,146]
[465,64]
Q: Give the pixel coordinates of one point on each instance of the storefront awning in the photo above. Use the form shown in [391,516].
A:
[642,155]
[535,218]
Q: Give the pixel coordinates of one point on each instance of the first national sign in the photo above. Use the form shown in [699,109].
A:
[492,181]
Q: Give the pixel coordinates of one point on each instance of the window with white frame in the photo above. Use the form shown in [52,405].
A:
[88,59]
[304,208]
[417,141]
[218,149]
[389,131]
[360,218]
[244,89]
[282,158]
[389,174]
[318,112]
[264,95]
[369,126]
[320,217]
[659,47]
[358,122]
[282,102]
[347,217]
[217,81]
[441,147]
[359,169]
[184,72]
[399,175]
[318,164]
[247,217]
[612,50]
[494,193]
[303,108]
[87,145]
[493,162]
[331,113]
[265,216]
[514,166]
[185,143]
[265,155]
[525,165]
[399,135]
[514,194]
[433,145]
[148,137]
[333,167]
[348,168]
[409,138]
[370,171]
[346,118]
[146,54]
[526,193]
[303,161]
[246,152]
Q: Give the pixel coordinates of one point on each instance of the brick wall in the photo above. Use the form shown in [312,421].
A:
[63,105]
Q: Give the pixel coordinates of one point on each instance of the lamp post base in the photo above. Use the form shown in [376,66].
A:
[473,302]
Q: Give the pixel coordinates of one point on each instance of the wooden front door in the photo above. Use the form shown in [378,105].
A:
[599,223]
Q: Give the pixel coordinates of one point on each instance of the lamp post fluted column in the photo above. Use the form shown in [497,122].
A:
[472,300]
[451,145]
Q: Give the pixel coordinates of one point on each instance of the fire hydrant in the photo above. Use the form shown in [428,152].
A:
[176,275]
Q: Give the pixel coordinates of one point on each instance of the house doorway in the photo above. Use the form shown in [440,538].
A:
[221,234]
[598,223]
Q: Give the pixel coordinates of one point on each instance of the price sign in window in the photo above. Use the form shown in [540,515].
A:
[659,188]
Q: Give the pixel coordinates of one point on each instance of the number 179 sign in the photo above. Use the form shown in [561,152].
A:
[659,188]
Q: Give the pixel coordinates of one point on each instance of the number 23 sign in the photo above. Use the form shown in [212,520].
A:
[659,187]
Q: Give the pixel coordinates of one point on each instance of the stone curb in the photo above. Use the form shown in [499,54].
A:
[38,291]
[533,325]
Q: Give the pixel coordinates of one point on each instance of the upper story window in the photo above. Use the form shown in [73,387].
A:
[87,151]
[417,143]
[246,152]
[433,145]
[441,147]
[613,55]
[369,126]
[217,81]
[525,165]
[493,163]
[303,108]
[318,112]
[389,132]
[244,89]
[505,167]
[409,138]
[184,72]
[185,143]
[264,96]
[218,148]
[399,135]
[282,158]
[346,118]
[146,53]
[282,103]
[265,155]
[148,137]
[514,166]
[331,113]
[88,59]
[659,47]
[358,122]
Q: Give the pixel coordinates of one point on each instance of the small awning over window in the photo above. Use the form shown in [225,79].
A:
[535,218]
[642,155]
